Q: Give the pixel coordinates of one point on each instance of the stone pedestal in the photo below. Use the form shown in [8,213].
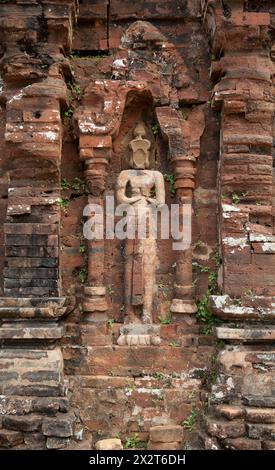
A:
[136,334]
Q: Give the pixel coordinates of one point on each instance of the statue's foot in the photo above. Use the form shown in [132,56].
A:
[139,335]
[138,340]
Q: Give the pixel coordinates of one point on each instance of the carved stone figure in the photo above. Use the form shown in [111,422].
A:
[143,189]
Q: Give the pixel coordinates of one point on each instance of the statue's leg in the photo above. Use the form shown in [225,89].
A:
[128,280]
[149,278]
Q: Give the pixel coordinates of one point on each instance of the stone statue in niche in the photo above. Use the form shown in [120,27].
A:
[144,190]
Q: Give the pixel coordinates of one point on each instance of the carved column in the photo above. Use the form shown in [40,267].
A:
[184,171]
[95,152]
[184,150]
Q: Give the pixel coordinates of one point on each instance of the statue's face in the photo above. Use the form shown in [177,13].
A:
[139,161]
[140,149]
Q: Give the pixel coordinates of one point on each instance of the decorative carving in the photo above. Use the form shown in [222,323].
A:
[143,189]
[95,151]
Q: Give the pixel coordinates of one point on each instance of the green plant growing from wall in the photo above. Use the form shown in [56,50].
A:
[204,313]
[248,294]
[212,279]
[159,375]
[190,422]
[78,185]
[155,129]
[210,375]
[184,113]
[67,113]
[63,203]
[98,56]
[217,259]
[235,198]
[110,290]
[175,344]
[82,248]
[203,269]
[81,309]
[134,442]
[75,88]
[85,55]
[170,178]
[220,344]
[83,274]
[110,322]
[44,66]
[166,320]
[65,184]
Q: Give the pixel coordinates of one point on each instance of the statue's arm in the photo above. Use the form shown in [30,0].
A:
[121,190]
[160,188]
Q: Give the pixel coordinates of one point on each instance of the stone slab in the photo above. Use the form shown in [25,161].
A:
[246,334]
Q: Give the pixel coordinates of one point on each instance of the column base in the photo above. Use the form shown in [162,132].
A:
[95,299]
[183,306]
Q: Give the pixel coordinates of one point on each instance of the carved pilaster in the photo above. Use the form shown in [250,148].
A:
[95,153]
[184,171]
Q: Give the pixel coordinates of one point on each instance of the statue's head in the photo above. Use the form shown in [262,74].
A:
[140,148]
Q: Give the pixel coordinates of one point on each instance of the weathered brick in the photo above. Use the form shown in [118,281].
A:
[229,411]
[242,443]
[59,426]
[225,429]
[26,423]
[168,433]
[57,442]
[269,445]
[250,18]
[109,444]
[10,438]
[152,445]
[34,441]
[31,273]
[91,141]
[260,415]
[261,431]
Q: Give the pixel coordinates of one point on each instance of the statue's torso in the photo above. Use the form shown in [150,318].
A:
[141,182]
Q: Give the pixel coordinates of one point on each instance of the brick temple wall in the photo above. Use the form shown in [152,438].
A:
[200,74]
